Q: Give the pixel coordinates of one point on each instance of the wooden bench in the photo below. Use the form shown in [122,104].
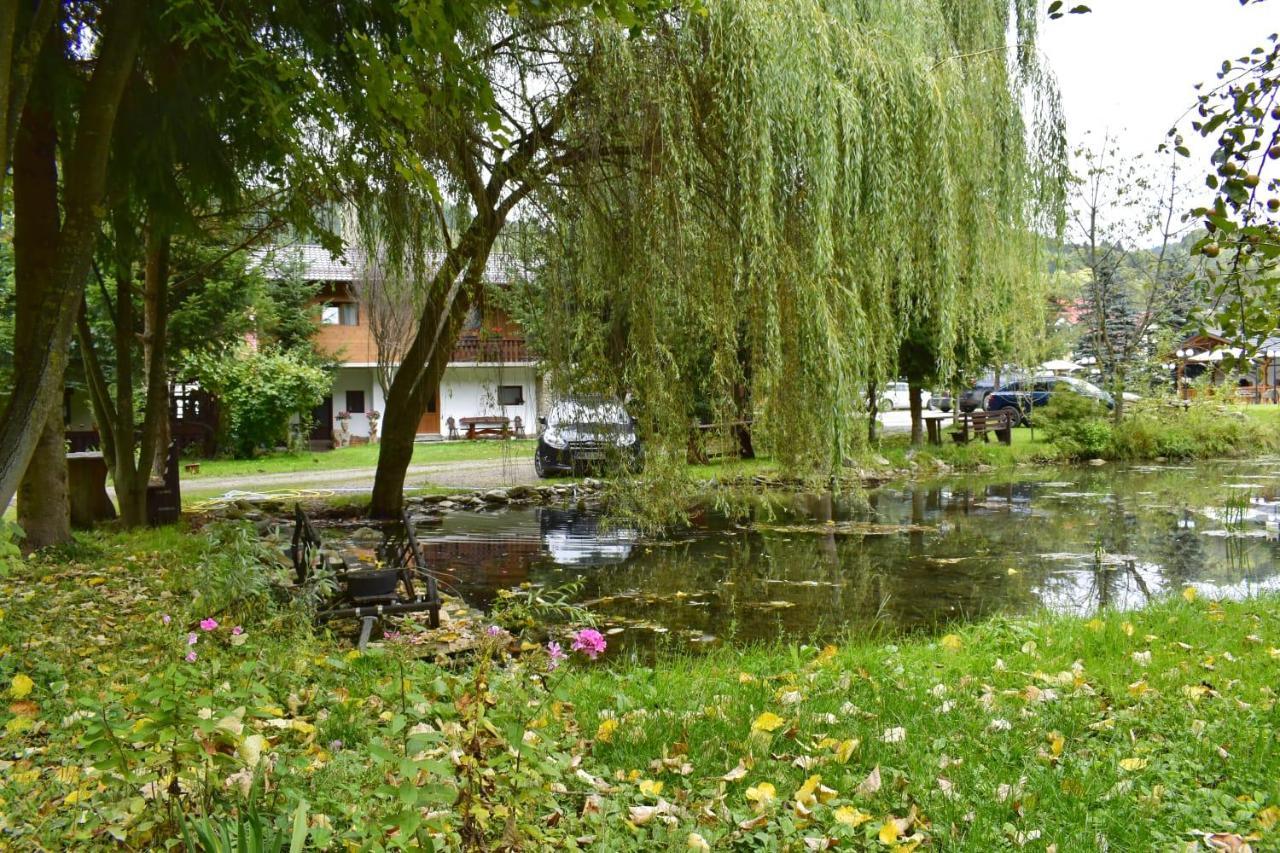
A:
[970,426]
[494,426]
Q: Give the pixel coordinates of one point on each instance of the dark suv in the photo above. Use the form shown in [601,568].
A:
[1017,399]
[580,435]
[975,397]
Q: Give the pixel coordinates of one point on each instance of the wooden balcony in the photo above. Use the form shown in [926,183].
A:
[485,350]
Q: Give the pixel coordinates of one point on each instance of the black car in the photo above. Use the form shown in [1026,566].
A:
[976,397]
[939,401]
[578,436]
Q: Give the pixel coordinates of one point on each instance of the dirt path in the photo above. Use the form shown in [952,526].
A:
[475,474]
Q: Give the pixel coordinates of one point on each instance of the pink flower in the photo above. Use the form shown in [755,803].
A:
[191,639]
[191,656]
[590,642]
[164,617]
[208,624]
[237,631]
[494,631]
[555,653]
[390,635]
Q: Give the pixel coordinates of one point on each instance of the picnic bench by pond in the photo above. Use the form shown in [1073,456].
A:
[969,426]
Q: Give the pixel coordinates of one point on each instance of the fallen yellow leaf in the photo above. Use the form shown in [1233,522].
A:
[1190,594]
[697,842]
[767,722]
[1133,764]
[604,732]
[889,831]
[845,750]
[850,816]
[650,788]
[20,687]
[952,642]
[762,795]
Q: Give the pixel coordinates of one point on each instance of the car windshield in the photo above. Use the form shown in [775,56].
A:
[592,413]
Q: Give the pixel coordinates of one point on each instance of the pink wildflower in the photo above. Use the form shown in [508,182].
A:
[191,639]
[191,656]
[164,617]
[208,624]
[590,642]
[494,631]
[390,635]
[237,631]
[555,653]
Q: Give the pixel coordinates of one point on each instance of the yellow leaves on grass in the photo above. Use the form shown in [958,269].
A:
[1133,765]
[20,686]
[1190,594]
[762,796]
[952,642]
[697,842]
[850,816]
[766,722]
[604,732]
[812,792]
[650,788]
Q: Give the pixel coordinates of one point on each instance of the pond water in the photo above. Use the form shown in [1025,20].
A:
[903,557]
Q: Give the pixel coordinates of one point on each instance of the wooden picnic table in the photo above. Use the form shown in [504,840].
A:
[980,423]
[87,489]
[488,426]
[933,423]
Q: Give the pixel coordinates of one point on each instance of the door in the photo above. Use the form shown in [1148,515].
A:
[430,421]
[322,421]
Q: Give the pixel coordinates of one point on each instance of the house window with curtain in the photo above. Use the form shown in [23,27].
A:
[355,402]
[340,314]
[510,395]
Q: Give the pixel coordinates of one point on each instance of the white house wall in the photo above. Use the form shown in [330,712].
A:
[468,392]
[358,379]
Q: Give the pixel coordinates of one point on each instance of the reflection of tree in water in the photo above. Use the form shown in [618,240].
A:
[1180,550]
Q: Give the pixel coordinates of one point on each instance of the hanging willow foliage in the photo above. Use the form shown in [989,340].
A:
[788,187]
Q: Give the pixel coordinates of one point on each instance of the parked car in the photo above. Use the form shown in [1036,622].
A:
[895,395]
[976,397]
[940,401]
[580,435]
[1019,398]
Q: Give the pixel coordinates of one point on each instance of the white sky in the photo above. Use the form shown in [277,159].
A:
[1130,66]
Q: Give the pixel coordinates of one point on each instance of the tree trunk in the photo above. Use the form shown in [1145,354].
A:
[873,406]
[43,509]
[424,363]
[917,416]
[84,183]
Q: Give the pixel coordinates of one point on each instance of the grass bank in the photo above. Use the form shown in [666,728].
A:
[1129,731]
[359,456]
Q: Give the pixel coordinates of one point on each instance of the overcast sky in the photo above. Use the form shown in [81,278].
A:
[1130,66]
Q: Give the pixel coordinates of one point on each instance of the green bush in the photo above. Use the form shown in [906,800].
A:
[1078,426]
[1200,431]
[260,393]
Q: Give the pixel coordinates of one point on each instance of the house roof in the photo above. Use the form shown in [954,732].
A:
[313,262]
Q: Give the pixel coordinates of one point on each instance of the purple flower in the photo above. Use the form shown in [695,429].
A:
[191,639]
[590,642]
[237,631]
[494,631]
[390,635]
[555,653]
[335,745]
[208,624]
[164,617]
[191,656]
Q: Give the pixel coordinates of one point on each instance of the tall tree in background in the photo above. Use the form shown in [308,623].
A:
[1127,228]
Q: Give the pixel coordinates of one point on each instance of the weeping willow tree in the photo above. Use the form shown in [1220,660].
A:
[789,189]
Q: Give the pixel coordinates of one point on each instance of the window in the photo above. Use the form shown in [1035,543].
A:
[355,402]
[510,395]
[341,314]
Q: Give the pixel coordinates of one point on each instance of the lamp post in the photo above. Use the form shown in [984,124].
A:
[1183,355]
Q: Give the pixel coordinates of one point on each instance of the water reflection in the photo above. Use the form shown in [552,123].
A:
[902,557]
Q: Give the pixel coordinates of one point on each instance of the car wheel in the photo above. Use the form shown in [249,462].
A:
[1012,415]
[539,467]
[885,405]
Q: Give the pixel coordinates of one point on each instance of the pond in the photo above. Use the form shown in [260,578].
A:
[902,557]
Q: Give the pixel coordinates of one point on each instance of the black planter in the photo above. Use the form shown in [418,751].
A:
[375,583]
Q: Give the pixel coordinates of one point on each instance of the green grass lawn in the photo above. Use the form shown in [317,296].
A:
[361,456]
[1121,731]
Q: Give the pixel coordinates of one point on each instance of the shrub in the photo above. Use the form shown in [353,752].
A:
[260,392]
[1077,425]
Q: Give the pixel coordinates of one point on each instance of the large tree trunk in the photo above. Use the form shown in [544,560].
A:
[424,363]
[44,353]
[917,416]
[873,409]
[43,508]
